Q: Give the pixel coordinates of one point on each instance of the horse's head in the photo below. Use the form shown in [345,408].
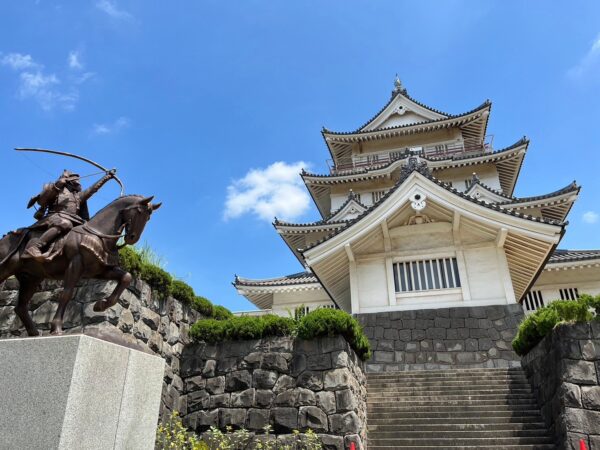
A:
[135,218]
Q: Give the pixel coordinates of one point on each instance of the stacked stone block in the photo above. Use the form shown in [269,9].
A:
[288,384]
[564,372]
[442,338]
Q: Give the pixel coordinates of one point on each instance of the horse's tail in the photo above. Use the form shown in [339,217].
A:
[10,244]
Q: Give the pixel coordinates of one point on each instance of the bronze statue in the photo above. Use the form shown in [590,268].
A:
[65,244]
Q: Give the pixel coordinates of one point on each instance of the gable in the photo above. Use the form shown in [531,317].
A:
[401,111]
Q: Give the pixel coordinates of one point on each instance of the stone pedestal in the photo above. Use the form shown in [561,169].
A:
[77,392]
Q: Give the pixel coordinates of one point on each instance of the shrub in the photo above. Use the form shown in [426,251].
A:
[203,306]
[130,260]
[158,279]
[318,323]
[183,292]
[221,313]
[278,326]
[208,330]
[538,324]
[332,322]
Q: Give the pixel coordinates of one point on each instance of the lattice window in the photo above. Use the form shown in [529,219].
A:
[569,294]
[428,274]
[533,300]
[331,306]
[376,195]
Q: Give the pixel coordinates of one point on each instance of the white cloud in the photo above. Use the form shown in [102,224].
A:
[589,62]
[591,217]
[112,10]
[275,191]
[110,128]
[46,88]
[19,61]
[73,60]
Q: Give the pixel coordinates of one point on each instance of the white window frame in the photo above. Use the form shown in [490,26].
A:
[435,291]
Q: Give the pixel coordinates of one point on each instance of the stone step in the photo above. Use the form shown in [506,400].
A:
[461,434]
[490,378]
[463,383]
[379,399]
[463,425]
[387,413]
[449,391]
[455,405]
[452,419]
[463,447]
[446,442]
[474,371]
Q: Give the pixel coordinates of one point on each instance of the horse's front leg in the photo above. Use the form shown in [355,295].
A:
[123,280]
[72,277]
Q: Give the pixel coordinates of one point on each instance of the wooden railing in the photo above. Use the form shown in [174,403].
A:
[375,160]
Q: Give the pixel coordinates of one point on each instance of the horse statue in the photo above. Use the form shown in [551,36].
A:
[88,250]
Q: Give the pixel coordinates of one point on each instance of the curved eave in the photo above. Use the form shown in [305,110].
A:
[344,139]
[297,236]
[528,243]
[509,157]
[416,105]
[262,296]
[556,205]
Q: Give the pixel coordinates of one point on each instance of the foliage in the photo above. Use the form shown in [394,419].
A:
[541,322]
[203,306]
[172,435]
[221,313]
[242,327]
[183,292]
[332,322]
[319,323]
[130,260]
[158,279]
[145,264]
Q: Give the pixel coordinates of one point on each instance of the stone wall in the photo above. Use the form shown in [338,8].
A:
[283,382]
[564,372]
[442,338]
[139,320]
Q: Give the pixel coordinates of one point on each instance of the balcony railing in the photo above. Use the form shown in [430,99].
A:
[375,160]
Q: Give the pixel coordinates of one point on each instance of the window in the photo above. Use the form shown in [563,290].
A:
[533,300]
[331,306]
[569,294]
[428,274]
[377,196]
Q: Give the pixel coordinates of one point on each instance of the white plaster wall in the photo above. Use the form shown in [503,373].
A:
[283,302]
[585,279]
[485,276]
[372,283]
[487,174]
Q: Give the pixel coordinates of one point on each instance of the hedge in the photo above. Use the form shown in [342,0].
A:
[133,261]
[318,323]
[541,322]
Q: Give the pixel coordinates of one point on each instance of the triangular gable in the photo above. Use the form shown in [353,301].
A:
[401,110]
[351,209]
[486,194]
[524,239]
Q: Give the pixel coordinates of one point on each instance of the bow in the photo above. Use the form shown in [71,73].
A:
[71,155]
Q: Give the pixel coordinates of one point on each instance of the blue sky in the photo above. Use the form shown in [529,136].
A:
[213,105]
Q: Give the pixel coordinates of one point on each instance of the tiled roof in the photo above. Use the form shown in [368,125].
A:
[484,105]
[351,197]
[564,255]
[571,187]
[423,170]
[450,159]
[296,278]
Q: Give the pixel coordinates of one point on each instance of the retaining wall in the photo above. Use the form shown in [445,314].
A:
[564,372]
[442,338]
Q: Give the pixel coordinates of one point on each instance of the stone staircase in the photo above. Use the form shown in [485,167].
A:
[454,409]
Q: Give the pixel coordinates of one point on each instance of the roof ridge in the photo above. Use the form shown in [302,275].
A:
[423,170]
[571,187]
[360,131]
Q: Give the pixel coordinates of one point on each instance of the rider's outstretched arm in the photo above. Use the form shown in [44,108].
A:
[85,195]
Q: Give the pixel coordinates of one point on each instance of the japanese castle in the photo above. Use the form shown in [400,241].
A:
[418,212]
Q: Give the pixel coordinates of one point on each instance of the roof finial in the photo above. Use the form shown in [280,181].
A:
[397,85]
